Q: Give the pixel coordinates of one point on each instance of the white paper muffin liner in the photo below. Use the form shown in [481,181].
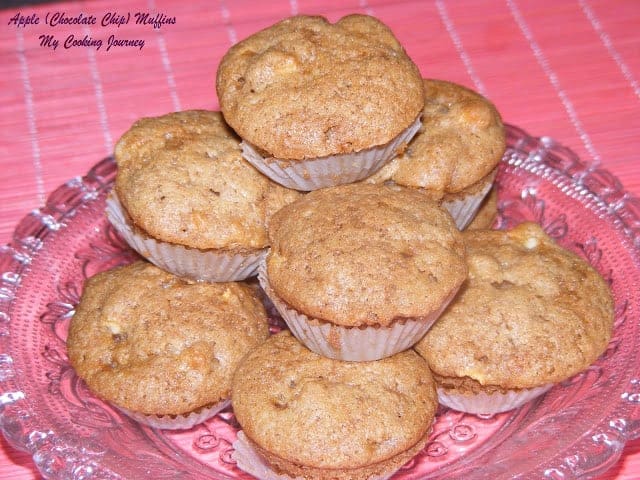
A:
[177,422]
[357,344]
[251,462]
[206,265]
[464,209]
[331,170]
[489,404]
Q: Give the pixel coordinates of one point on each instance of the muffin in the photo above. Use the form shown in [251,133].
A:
[185,199]
[162,348]
[360,272]
[320,104]
[453,159]
[304,415]
[532,314]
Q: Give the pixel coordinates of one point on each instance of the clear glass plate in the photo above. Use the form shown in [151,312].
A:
[577,430]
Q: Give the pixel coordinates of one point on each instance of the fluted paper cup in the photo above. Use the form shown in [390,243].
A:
[206,265]
[315,173]
[490,403]
[463,208]
[350,343]
[250,461]
[177,422]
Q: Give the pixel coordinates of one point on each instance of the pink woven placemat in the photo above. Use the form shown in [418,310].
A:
[570,70]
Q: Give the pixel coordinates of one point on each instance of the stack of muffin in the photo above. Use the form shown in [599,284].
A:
[343,180]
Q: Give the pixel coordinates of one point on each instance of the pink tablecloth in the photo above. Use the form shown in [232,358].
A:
[568,69]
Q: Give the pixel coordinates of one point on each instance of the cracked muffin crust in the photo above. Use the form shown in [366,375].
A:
[531,314]
[155,344]
[327,419]
[305,88]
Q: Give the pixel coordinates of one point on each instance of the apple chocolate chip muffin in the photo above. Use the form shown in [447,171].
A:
[162,348]
[305,415]
[320,104]
[453,158]
[185,199]
[532,314]
[360,272]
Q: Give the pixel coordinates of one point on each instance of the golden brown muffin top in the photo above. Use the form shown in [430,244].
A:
[461,141]
[154,343]
[531,313]
[306,88]
[181,179]
[322,413]
[358,255]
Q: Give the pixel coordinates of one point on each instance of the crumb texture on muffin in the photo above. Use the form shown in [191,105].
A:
[153,343]
[461,141]
[303,409]
[531,313]
[306,88]
[182,179]
[360,255]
